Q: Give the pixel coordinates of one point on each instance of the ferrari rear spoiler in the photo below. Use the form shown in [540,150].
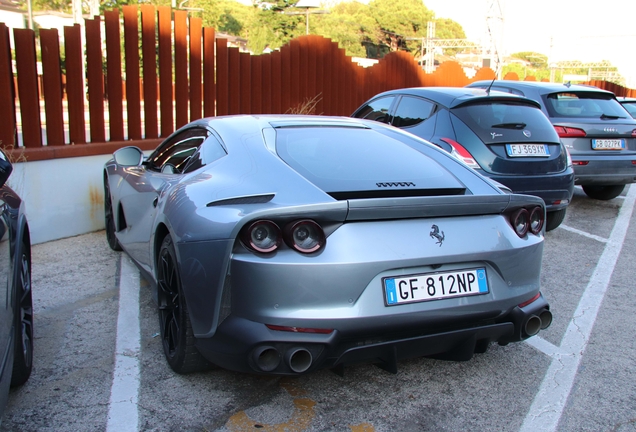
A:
[445,206]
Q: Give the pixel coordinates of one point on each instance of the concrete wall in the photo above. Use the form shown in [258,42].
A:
[63,197]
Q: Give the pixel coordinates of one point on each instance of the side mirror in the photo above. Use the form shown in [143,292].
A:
[5,168]
[129,156]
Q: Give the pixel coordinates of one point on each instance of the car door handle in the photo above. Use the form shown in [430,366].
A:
[155,201]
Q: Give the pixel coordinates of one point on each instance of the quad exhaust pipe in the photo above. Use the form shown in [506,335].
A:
[298,359]
[538,322]
[268,358]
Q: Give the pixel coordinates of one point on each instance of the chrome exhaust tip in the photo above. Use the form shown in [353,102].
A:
[546,319]
[266,358]
[298,359]
[533,325]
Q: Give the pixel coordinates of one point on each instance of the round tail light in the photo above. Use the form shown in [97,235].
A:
[262,236]
[521,222]
[305,236]
[537,218]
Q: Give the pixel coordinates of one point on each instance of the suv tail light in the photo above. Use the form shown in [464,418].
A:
[461,153]
[568,132]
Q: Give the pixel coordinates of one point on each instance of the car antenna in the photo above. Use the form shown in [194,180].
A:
[491,83]
[498,63]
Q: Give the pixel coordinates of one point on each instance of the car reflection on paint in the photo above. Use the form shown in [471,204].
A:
[16,305]
[286,244]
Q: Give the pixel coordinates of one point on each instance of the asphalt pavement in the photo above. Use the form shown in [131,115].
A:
[99,364]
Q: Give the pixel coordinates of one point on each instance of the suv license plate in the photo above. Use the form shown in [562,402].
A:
[527,150]
[434,286]
[608,144]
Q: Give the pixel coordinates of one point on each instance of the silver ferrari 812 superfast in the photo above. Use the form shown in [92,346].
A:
[286,244]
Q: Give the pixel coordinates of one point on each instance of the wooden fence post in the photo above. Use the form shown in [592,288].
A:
[52,86]
[28,87]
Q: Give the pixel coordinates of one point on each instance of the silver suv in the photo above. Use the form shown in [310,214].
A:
[597,131]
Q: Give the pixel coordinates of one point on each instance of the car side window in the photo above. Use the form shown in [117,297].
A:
[377,109]
[211,150]
[175,152]
[412,111]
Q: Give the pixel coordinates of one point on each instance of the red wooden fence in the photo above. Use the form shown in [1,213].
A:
[186,72]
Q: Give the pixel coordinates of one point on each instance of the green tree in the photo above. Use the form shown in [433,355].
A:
[537,60]
[446,28]
[349,24]
[399,23]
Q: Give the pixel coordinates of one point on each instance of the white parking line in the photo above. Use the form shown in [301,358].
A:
[544,346]
[122,412]
[583,233]
[548,405]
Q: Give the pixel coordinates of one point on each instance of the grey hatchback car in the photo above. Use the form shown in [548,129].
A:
[597,131]
[502,136]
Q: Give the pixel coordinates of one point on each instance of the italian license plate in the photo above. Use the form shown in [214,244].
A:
[527,150]
[434,286]
[608,144]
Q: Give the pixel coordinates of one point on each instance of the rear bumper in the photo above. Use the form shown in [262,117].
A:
[247,346]
[604,171]
[555,190]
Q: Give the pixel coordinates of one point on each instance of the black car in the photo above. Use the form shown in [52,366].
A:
[502,136]
[16,308]
[597,131]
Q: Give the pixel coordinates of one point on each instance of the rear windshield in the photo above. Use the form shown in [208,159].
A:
[630,107]
[348,159]
[584,105]
[495,122]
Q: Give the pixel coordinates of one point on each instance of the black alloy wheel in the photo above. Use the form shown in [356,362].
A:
[23,348]
[109,219]
[603,193]
[176,331]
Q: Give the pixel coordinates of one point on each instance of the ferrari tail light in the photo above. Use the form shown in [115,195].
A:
[537,220]
[580,163]
[634,133]
[305,236]
[526,220]
[461,153]
[568,132]
[521,222]
[262,236]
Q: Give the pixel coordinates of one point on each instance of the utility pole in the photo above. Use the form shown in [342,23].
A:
[492,49]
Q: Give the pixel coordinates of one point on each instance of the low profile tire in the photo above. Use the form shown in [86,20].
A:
[23,327]
[603,192]
[176,331]
[109,219]
[554,219]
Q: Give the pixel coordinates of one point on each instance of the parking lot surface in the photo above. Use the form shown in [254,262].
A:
[578,375]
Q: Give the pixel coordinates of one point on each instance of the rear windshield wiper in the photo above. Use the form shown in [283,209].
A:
[509,125]
[610,117]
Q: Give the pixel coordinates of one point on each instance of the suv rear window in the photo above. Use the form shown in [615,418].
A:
[583,105]
[496,122]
